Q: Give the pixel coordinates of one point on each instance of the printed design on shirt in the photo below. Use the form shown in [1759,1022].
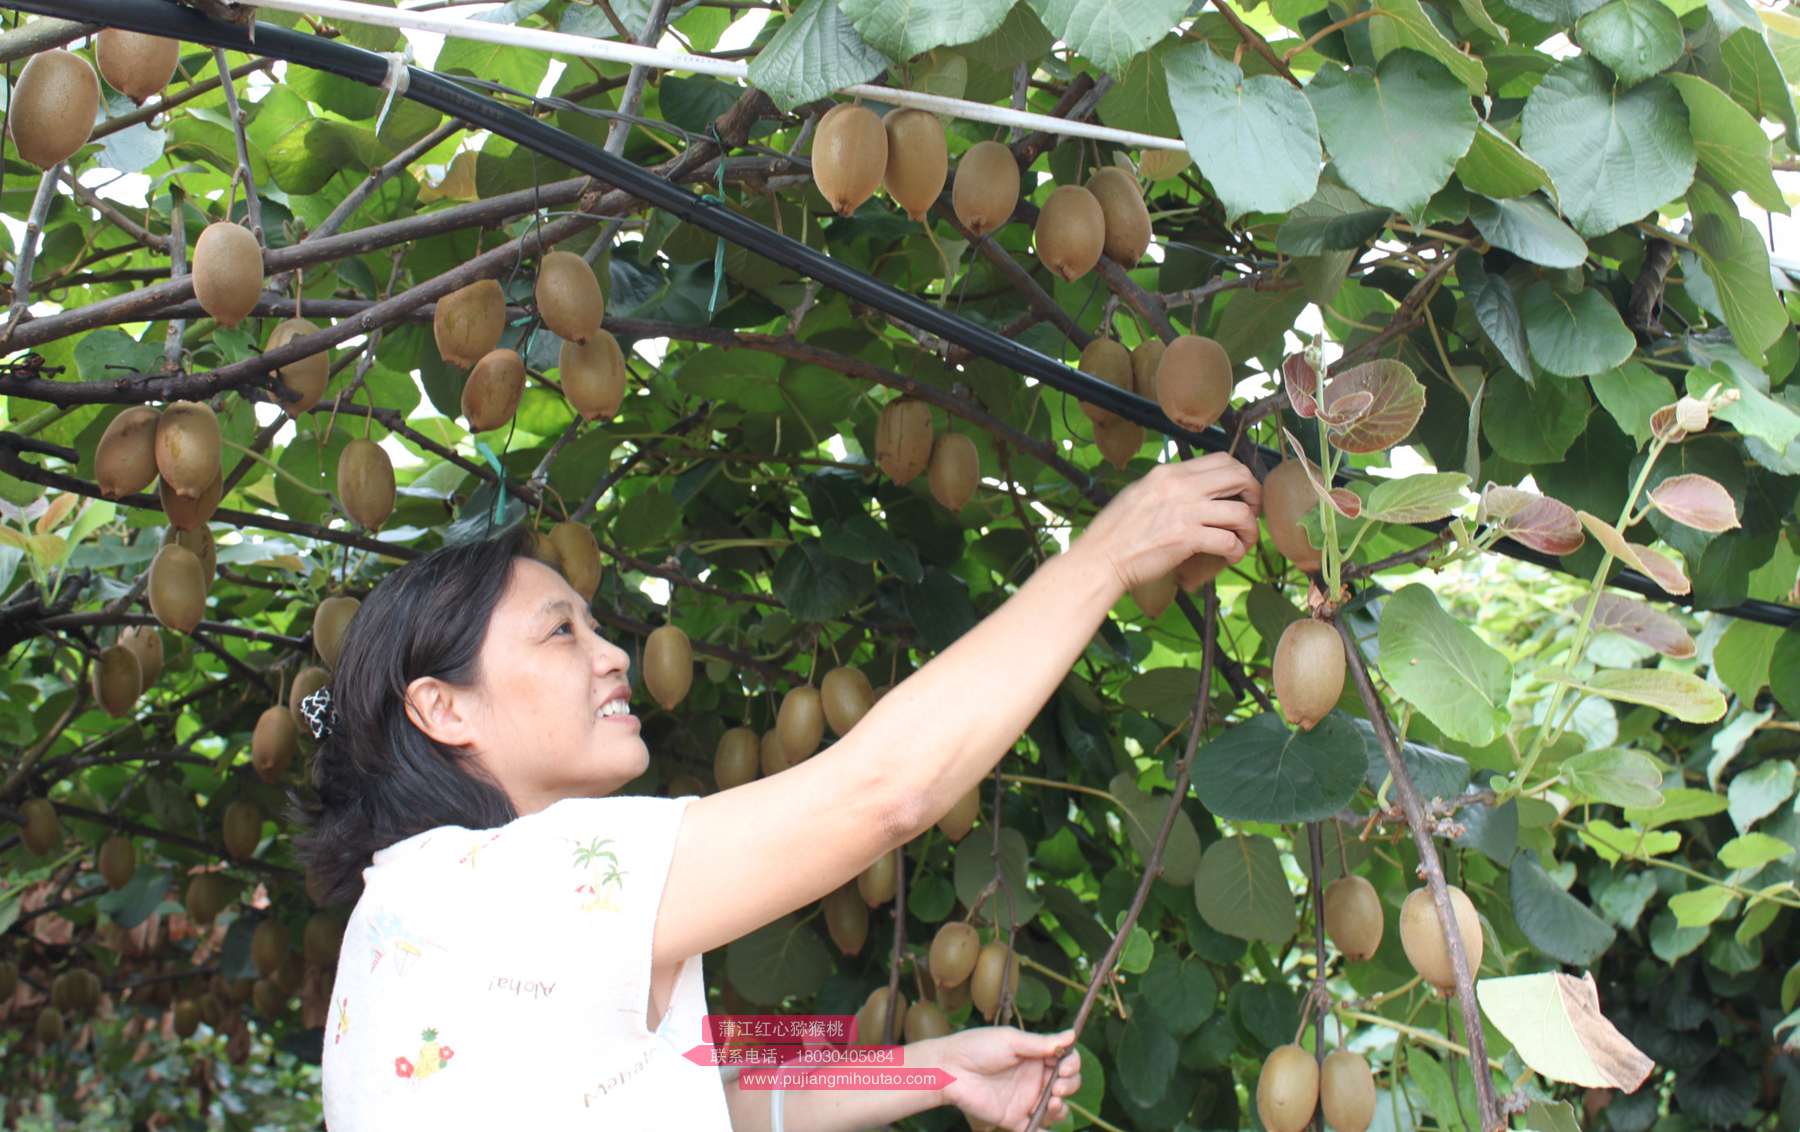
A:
[605,1085]
[398,945]
[433,1056]
[343,1020]
[468,858]
[605,879]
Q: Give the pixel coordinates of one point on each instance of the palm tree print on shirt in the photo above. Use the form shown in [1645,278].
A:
[605,879]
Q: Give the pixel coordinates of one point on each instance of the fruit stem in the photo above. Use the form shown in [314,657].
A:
[278,470]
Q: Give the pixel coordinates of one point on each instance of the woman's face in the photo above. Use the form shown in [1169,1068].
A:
[545,672]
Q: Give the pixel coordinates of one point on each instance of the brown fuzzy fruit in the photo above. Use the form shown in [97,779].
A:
[1423,937]
[568,297]
[53,104]
[987,187]
[365,482]
[267,998]
[228,272]
[146,642]
[961,816]
[880,880]
[996,964]
[545,551]
[49,1026]
[1193,382]
[800,723]
[1287,495]
[593,376]
[1199,569]
[953,953]
[118,861]
[1071,232]
[186,1018]
[849,156]
[926,1020]
[331,620]
[872,1026]
[917,160]
[41,830]
[1146,356]
[118,680]
[1127,220]
[307,681]
[137,65]
[491,395]
[268,946]
[737,759]
[322,939]
[955,470]
[187,447]
[1309,672]
[769,751]
[846,919]
[1118,440]
[903,439]
[1155,595]
[1110,362]
[668,666]
[580,554]
[191,514]
[206,897]
[125,458]
[1288,1091]
[242,828]
[273,744]
[1353,917]
[468,322]
[846,696]
[177,588]
[1347,1091]
[200,541]
[309,375]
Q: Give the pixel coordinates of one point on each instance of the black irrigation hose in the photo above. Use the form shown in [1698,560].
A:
[166,18]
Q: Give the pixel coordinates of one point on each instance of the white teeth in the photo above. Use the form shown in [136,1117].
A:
[614,707]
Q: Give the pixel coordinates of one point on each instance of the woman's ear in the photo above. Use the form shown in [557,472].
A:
[438,710]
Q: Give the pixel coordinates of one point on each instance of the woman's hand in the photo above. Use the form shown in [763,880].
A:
[1000,1070]
[1206,505]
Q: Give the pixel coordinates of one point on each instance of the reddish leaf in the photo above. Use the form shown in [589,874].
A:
[1398,401]
[1301,382]
[1630,617]
[1536,520]
[1664,426]
[1695,501]
[1663,570]
[1347,410]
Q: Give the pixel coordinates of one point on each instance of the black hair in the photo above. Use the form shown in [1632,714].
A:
[377,778]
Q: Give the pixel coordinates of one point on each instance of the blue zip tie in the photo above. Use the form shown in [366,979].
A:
[499,480]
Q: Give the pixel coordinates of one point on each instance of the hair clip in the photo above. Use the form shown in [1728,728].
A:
[320,716]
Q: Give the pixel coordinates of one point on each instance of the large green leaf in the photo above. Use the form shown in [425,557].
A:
[1242,891]
[1533,424]
[1108,33]
[1574,335]
[1557,924]
[1614,153]
[1410,104]
[1680,694]
[1631,393]
[1614,776]
[1144,817]
[1737,262]
[1255,139]
[1496,312]
[814,585]
[1749,73]
[1554,1022]
[1526,227]
[1754,794]
[1438,664]
[1263,770]
[904,28]
[1561,13]
[817,51]
[1335,219]
[779,959]
[1404,24]
[1636,38]
[1497,168]
[1754,413]
[1730,146]
[974,868]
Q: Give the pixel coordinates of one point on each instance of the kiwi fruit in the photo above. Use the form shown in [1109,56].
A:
[774,759]
[952,998]
[1122,207]
[177,588]
[926,1020]
[1071,233]
[65,990]
[1287,495]
[365,482]
[955,470]
[568,297]
[1347,1091]
[846,919]
[1288,1090]
[953,953]
[146,642]
[1353,917]
[42,829]
[268,945]
[846,696]
[1145,357]
[1162,164]
[187,447]
[228,272]
[800,723]
[206,897]
[186,1018]
[668,666]
[1199,569]
[200,542]
[593,376]
[903,440]
[872,1026]
[307,376]
[289,973]
[307,681]
[49,1026]
[238,991]
[117,680]
[917,160]
[322,938]
[1110,362]
[960,817]
[1155,595]
[1309,672]
[191,514]
[1118,440]
[242,827]
[273,744]
[996,964]
[736,760]
[580,556]
[468,322]
[125,458]
[986,190]
[52,109]
[118,861]
[331,620]
[1193,382]
[880,880]
[491,395]
[545,550]
[267,998]
[1423,937]
[849,156]
[212,1009]
[136,65]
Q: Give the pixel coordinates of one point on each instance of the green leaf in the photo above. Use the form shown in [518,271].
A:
[1406,25]
[1754,794]
[1699,907]
[1754,413]
[1680,803]
[1534,424]
[1180,990]
[1554,1023]
[1574,335]
[1636,38]
[1631,393]
[974,867]
[1529,229]
[1556,924]
[817,51]
[1614,153]
[1753,851]
[1749,73]
[1784,672]
[1737,262]
[1263,770]
[1022,37]
[1441,667]
[904,28]
[1419,498]
[1561,13]
[1410,104]
[1242,891]
[779,959]
[1730,147]
[111,354]
[494,62]
[1496,311]
[304,160]
[1255,139]
[314,465]
[1146,1060]
[1108,33]
[1612,843]
[816,586]
[1335,219]
[1495,167]
[1144,817]
[1614,776]
[1680,694]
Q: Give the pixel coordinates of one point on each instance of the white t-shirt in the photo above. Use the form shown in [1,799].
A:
[500,979]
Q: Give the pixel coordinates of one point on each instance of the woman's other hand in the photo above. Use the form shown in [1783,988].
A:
[1207,505]
[1000,1070]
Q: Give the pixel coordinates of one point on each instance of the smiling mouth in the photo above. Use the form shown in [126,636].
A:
[616,713]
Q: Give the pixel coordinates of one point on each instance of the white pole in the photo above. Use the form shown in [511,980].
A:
[623,52]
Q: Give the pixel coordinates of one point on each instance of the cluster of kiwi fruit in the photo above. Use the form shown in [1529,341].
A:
[843,697]
[905,445]
[126,668]
[961,964]
[1190,377]
[56,98]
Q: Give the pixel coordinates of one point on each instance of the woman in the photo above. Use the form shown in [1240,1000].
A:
[525,947]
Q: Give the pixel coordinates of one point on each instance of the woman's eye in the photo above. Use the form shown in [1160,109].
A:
[564,625]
